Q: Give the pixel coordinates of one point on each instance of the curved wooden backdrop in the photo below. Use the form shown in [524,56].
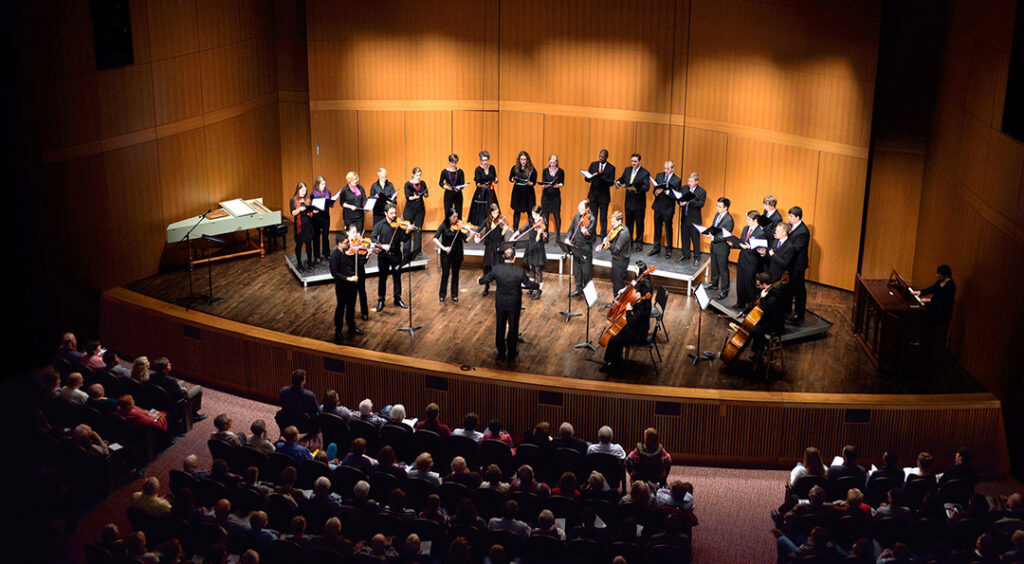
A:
[697,425]
[757,97]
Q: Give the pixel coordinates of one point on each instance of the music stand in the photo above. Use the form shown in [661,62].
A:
[576,254]
[210,298]
[188,240]
[703,300]
[590,296]
[407,261]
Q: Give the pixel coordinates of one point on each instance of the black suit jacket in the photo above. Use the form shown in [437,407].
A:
[692,208]
[801,239]
[719,244]
[298,400]
[169,383]
[781,260]
[664,203]
[599,185]
[511,280]
[749,259]
[579,445]
[636,200]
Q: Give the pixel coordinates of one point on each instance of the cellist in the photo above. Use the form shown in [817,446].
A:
[774,304]
[638,324]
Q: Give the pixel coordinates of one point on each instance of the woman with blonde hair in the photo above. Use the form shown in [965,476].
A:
[353,198]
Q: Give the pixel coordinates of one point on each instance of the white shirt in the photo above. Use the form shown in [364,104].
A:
[610,448]
[475,435]
[73,395]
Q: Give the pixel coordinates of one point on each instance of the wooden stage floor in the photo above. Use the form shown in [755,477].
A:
[264,293]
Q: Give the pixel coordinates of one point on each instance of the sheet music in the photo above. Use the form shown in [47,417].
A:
[460,187]
[590,293]
[757,243]
[336,196]
[700,228]
[370,203]
[726,233]
[238,207]
[588,175]
[677,194]
[702,296]
[320,203]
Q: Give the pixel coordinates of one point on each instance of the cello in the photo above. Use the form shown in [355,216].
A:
[741,336]
[617,313]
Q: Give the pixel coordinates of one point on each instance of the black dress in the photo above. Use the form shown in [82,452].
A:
[384,195]
[523,196]
[415,211]
[551,198]
[452,198]
[451,261]
[358,200]
[536,255]
[480,207]
[492,242]
[303,222]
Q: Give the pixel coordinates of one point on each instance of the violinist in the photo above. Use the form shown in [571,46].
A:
[453,180]
[638,323]
[774,303]
[343,270]
[536,234]
[449,238]
[389,235]
[360,248]
[353,198]
[523,178]
[302,210]
[321,220]
[492,234]
[415,211]
[485,177]
[384,191]
[618,242]
[581,236]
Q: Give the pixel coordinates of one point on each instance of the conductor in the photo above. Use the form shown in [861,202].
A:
[508,299]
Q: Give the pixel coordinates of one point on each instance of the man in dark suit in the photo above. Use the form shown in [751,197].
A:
[692,203]
[600,187]
[390,240]
[849,467]
[637,181]
[780,256]
[801,239]
[720,248]
[664,207]
[567,439]
[178,390]
[582,237]
[748,263]
[773,215]
[343,270]
[774,301]
[508,299]
[296,400]
[961,468]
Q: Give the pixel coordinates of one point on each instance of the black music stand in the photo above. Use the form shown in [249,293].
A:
[576,254]
[588,290]
[703,301]
[187,300]
[407,262]
[209,268]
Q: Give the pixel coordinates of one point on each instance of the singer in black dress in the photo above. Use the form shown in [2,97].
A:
[415,211]
[452,178]
[523,177]
[484,177]
[302,213]
[321,220]
[536,235]
[492,234]
[384,191]
[353,199]
[449,240]
[552,179]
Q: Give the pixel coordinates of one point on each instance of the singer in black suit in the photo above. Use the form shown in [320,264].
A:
[600,194]
[720,248]
[773,216]
[779,256]
[636,181]
[664,207]
[508,300]
[343,270]
[582,237]
[801,238]
[748,264]
[690,216]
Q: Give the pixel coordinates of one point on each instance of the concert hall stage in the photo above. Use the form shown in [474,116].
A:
[268,324]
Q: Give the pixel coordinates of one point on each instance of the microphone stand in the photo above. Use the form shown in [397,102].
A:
[407,262]
[209,268]
[188,241]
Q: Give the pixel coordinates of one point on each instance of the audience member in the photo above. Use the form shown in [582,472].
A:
[816,508]
[72,390]
[567,439]
[819,545]
[468,428]
[177,389]
[190,465]
[566,486]
[849,467]
[251,479]
[93,357]
[396,415]
[224,433]
[495,433]
[386,463]
[679,494]
[333,540]
[673,534]
[925,460]
[98,399]
[110,540]
[137,416]
[541,435]
[639,495]
[422,471]
[366,413]
[221,516]
[90,442]
[356,456]
[492,479]
[291,446]
[890,468]
[432,423]
[466,514]
[649,460]
[136,549]
[605,445]
[961,468]
[286,486]
[525,481]
[332,405]
[149,499]
[112,362]
[546,526]
[508,521]
[380,548]
[68,350]
[184,506]
[258,439]
[140,369]
[361,499]
[432,510]
[219,472]
[893,506]
[811,466]
[298,402]
[297,532]
[461,474]
[1017,554]
[322,496]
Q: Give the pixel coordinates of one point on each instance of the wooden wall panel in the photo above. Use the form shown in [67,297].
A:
[517,131]
[126,99]
[184,188]
[568,138]
[129,174]
[381,144]
[893,205]
[794,178]
[472,132]
[428,137]
[296,153]
[177,89]
[838,206]
[619,137]
[63,121]
[652,142]
[218,23]
[748,170]
[173,28]
[245,70]
[335,147]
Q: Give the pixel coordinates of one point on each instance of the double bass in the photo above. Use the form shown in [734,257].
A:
[741,336]
[617,313]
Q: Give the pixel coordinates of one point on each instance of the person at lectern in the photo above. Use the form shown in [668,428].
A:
[508,300]
[523,177]
[938,301]
[321,220]
[415,210]
[389,236]
[353,198]
[484,177]
[451,181]
[600,194]
[302,212]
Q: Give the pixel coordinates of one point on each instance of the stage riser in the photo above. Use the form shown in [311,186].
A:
[760,430]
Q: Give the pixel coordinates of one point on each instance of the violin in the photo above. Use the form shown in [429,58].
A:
[361,246]
[611,235]
[617,313]
[403,224]
[461,227]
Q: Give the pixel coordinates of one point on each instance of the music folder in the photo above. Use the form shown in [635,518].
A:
[370,203]
[588,175]
[683,196]
[757,243]
[320,203]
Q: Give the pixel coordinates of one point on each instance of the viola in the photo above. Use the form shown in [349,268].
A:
[611,235]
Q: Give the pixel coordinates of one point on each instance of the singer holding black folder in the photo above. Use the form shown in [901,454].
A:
[523,177]
[353,199]
[748,264]
[484,177]
[636,181]
[452,180]
[384,191]
[321,220]
[692,204]
[720,248]
[552,179]
[415,210]
[664,207]
[602,176]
